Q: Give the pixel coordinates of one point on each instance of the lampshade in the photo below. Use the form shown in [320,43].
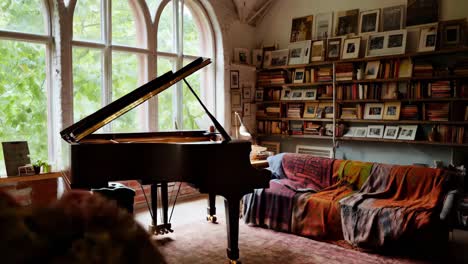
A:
[242,129]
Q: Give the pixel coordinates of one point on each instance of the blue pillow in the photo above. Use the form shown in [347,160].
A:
[275,166]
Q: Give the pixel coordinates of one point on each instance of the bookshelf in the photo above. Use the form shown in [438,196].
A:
[430,95]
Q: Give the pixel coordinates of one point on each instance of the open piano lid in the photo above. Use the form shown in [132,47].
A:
[108,113]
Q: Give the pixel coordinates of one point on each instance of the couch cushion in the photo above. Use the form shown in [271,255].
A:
[312,172]
[274,164]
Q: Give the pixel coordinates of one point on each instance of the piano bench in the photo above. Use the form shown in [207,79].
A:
[123,195]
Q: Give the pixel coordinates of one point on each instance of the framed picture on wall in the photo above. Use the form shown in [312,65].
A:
[301,28]
[369,21]
[393,17]
[259,95]
[428,38]
[246,109]
[236,101]
[242,55]
[323,26]
[234,79]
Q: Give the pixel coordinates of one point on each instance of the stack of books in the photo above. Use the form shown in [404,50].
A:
[295,127]
[294,110]
[409,112]
[436,112]
[423,70]
[440,89]
[271,78]
[451,134]
[344,72]
[461,67]
[311,128]
[273,111]
[325,74]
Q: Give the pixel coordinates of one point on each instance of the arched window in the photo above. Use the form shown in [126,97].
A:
[25,42]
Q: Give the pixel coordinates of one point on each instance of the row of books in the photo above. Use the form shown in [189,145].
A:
[269,127]
[436,111]
[452,134]
[267,78]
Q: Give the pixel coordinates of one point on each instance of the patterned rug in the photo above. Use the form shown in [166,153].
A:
[203,242]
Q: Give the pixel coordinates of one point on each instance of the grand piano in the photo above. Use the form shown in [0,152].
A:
[216,167]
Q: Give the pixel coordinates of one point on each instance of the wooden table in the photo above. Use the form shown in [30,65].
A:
[36,177]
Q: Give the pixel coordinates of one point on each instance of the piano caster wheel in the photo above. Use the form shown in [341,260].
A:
[234,261]
[211,218]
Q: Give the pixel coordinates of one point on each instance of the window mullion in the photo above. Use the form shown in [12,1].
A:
[178,95]
[107,57]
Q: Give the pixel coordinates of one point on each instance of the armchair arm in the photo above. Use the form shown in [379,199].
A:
[449,205]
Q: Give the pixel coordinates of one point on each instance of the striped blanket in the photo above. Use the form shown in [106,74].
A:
[395,201]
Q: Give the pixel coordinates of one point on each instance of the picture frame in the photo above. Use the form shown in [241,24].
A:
[452,33]
[372,70]
[242,55]
[286,94]
[301,28]
[325,110]
[247,93]
[360,132]
[420,12]
[234,79]
[375,44]
[373,111]
[257,58]
[267,55]
[16,155]
[391,132]
[236,101]
[299,52]
[406,68]
[318,50]
[393,18]
[279,58]
[391,111]
[428,38]
[310,94]
[369,21]
[246,109]
[323,26]
[407,132]
[299,75]
[351,48]
[396,42]
[333,49]
[272,146]
[375,131]
[350,132]
[346,22]
[310,110]
[259,95]
[297,94]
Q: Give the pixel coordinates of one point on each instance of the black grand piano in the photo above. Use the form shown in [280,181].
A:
[216,167]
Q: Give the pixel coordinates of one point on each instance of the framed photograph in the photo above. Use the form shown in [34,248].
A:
[310,110]
[301,28]
[325,110]
[323,26]
[360,132]
[375,44]
[242,56]
[389,91]
[310,94]
[234,79]
[420,12]
[408,132]
[257,58]
[369,21]
[286,94]
[372,69]
[16,154]
[246,93]
[299,52]
[259,95]
[392,111]
[452,33]
[391,132]
[236,101]
[375,131]
[299,75]
[350,132]
[396,42]
[406,68]
[271,146]
[393,17]
[346,22]
[267,56]
[297,94]
[246,109]
[333,49]
[373,111]
[428,38]
[279,57]
[318,50]
[351,48]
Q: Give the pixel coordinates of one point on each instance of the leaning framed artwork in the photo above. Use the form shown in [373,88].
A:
[428,38]
[351,48]
[452,33]
[369,21]
[333,49]
[279,58]
[408,132]
[318,50]
[301,28]
[323,26]
[393,17]
[373,111]
[346,22]
[299,52]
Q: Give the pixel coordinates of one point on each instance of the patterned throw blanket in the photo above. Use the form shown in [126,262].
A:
[394,201]
[318,214]
[273,206]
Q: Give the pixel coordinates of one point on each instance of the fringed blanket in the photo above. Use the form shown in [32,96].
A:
[392,203]
[318,214]
[310,172]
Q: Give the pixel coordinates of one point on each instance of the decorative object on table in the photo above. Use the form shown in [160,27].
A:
[452,33]
[346,22]
[301,28]
[391,111]
[16,154]
[351,48]
[375,131]
[299,52]
[234,79]
[40,164]
[242,130]
[323,26]
[299,75]
[310,94]
[360,132]
[373,111]
[279,58]
[393,17]
[408,132]
[259,95]
[310,110]
[428,38]
[333,49]
[242,55]
[420,12]
[372,69]
[257,58]
[236,101]
[369,21]
[318,50]
[391,132]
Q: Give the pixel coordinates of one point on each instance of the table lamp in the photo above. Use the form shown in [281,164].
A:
[242,129]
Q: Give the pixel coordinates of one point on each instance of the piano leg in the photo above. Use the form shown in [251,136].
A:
[211,210]
[154,204]
[165,227]
[232,207]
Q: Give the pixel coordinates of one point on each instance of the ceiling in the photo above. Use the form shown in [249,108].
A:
[252,11]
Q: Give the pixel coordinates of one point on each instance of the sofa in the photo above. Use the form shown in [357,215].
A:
[368,205]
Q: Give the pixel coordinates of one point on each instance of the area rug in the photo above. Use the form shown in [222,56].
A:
[203,242]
